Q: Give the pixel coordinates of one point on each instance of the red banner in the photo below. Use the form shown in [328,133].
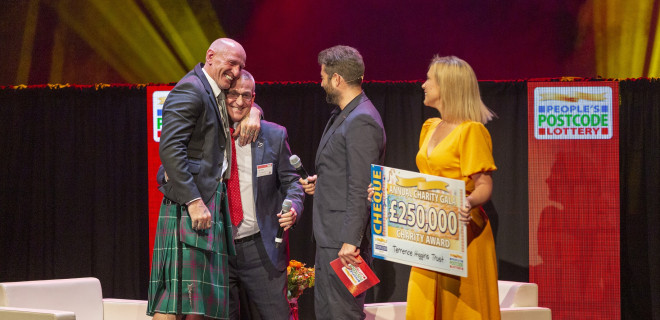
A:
[574,198]
[155,99]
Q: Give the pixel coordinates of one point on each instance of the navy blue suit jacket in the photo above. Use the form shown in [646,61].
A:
[270,190]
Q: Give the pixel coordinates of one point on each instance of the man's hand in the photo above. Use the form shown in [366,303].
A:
[287,219]
[309,184]
[200,215]
[348,254]
[248,128]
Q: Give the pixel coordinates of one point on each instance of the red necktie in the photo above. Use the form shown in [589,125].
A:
[234,187]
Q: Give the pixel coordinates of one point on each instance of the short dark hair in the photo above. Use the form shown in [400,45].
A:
[344,61]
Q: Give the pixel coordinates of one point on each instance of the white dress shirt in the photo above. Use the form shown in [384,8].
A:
[249,225]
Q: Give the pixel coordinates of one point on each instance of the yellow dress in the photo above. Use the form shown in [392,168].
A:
[431,295]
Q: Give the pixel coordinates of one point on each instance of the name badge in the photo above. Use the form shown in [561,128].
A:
[264,169]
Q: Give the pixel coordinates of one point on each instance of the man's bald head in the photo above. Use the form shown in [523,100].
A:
[224,44]
[225,59]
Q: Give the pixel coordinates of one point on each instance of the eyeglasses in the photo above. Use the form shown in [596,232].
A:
[233,95]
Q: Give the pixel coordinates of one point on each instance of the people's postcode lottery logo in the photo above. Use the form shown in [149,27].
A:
[573,113]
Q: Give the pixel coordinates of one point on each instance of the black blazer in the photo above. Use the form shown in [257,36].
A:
[192,141]
[354,141]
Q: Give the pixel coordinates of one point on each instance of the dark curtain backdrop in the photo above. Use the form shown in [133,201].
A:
[74,185]
[640,198]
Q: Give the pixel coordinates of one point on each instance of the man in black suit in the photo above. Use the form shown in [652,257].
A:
[353,139]
[189,270]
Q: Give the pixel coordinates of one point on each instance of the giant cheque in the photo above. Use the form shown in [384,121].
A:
[414,220]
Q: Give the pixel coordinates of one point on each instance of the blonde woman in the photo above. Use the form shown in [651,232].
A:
[458,146]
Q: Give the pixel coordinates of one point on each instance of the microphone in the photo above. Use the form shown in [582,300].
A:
[286,206]
[295,162]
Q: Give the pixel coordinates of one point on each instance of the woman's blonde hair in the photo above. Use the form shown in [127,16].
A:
[459,91]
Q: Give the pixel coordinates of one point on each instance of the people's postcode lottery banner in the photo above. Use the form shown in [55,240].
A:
[414,220]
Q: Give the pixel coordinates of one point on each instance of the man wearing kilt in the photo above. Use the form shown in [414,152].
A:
[189,270]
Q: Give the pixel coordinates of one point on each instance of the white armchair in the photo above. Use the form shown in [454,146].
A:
[65,299]
[518,301]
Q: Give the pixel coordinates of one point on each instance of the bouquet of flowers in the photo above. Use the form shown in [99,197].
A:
[299,278]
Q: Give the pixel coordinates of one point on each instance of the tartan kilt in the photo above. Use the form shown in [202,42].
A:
[187,278]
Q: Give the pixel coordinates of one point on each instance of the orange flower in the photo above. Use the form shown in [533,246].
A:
[299,278]
[295,264]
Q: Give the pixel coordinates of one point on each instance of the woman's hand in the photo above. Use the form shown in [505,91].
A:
[483,188]
[370,192]
[465,216]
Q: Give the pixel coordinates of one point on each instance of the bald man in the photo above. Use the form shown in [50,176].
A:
[189,275]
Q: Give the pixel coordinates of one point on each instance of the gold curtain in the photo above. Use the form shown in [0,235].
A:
[626,37]
[141,39]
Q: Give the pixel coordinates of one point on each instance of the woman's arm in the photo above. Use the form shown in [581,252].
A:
[483,189]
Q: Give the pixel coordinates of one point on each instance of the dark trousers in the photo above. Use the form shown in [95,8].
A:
[332,300]
[265,286]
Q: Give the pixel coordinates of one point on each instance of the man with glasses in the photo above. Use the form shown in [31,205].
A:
[265,179]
